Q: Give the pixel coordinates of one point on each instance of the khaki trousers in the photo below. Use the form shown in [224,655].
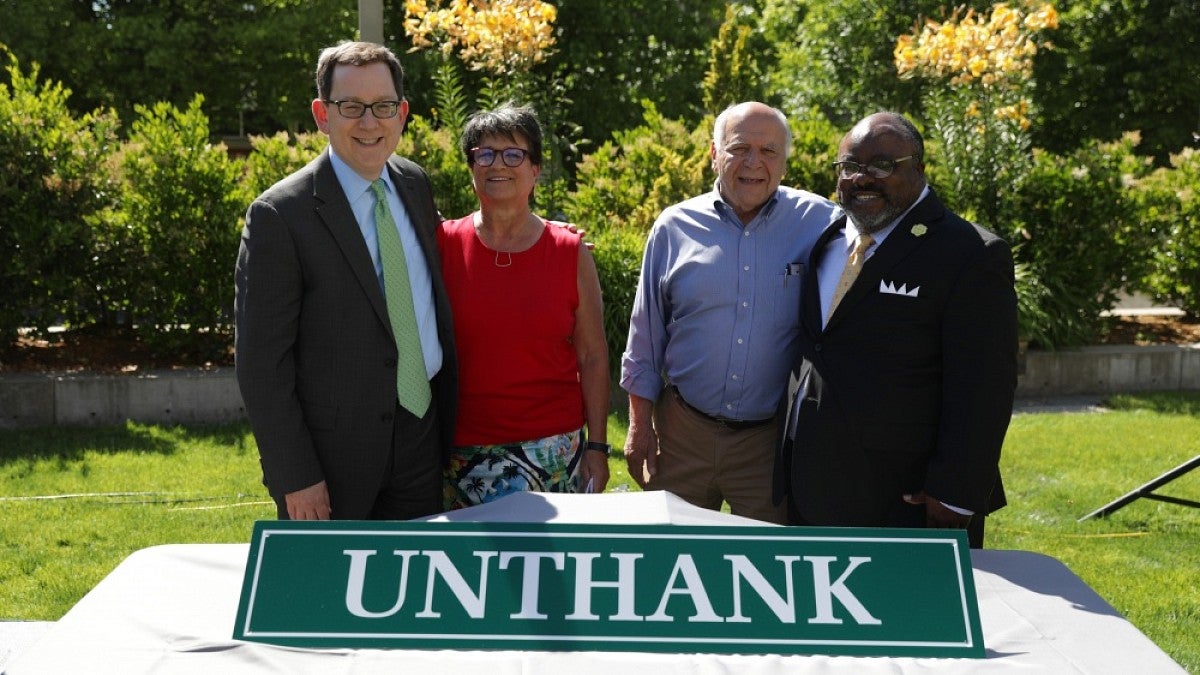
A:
[706,463]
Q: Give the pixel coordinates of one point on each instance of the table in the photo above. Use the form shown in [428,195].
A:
[170,609]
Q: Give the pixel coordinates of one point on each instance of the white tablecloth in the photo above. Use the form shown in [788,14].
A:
[171,609]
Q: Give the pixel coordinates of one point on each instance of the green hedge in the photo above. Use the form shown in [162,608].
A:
[53,177]
[1169,207]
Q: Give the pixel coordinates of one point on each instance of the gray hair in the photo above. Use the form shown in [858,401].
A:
[723,120]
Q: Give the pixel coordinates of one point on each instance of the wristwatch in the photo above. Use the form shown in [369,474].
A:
[599,447]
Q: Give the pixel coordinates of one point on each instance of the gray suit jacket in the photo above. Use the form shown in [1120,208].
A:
[316,360]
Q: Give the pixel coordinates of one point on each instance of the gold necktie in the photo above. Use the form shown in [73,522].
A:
[412,383]
[853,266]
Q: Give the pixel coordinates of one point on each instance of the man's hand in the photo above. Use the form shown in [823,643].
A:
[936,513]
[310,503]
[641,453]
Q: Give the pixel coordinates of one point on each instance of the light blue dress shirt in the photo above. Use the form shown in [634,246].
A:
[717,309]
[362,202]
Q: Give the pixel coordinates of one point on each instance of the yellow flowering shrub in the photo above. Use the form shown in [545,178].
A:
[501,37]
[978,68]
[989,52]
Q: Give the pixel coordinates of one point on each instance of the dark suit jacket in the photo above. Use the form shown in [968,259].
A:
[316,360]
[903,393]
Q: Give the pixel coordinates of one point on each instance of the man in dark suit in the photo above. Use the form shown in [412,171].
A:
[900,399]
[317,360]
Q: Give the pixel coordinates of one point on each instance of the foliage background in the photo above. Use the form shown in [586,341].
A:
[121,208]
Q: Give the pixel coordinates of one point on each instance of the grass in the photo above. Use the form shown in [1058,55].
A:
[78,501]
[1145,558]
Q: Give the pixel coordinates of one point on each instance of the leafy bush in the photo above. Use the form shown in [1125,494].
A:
[1075,224]
[436,150]
[630,179]
[172,237]
[1169,206]
[814,149]
[274,157]
[51,177]
[618,255]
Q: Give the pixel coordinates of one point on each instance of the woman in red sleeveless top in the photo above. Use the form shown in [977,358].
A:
[533,363]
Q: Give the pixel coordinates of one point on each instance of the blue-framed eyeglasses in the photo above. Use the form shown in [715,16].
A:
[512,157]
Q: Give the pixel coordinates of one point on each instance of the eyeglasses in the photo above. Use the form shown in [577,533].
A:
[485,157]
[382,110]
[880,168]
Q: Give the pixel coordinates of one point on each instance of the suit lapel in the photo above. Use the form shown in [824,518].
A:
[898,245]
[333,208]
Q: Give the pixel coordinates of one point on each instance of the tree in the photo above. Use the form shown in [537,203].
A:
[252,62]
[1123,65]
[733,72]
[611,59]
[836,55]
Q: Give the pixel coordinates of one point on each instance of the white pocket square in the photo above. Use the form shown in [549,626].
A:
[890,287]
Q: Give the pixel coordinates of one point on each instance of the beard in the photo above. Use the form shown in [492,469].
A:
[872,223]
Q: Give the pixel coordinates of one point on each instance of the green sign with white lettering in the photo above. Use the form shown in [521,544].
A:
[663,588]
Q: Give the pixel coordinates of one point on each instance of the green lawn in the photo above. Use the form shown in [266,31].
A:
[75,502]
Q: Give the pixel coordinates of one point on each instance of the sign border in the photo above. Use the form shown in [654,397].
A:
[972,647]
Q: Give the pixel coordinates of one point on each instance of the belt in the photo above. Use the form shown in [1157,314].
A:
[731,424]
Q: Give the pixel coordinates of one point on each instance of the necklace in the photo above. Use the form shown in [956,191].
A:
[517,243]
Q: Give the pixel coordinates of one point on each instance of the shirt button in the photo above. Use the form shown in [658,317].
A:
[735,377]
[745,234]
[740,341]
[746,268]
[745,304]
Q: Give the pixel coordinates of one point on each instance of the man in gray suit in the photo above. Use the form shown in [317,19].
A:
[317,358]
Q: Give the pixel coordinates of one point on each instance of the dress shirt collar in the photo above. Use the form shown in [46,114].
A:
[353,184]
[723,207]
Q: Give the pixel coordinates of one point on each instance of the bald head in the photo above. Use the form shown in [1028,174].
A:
[885,153]
[883,123]
[738,111]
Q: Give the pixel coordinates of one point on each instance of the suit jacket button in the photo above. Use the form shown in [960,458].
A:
[390,363]
[817,347]
[386,417]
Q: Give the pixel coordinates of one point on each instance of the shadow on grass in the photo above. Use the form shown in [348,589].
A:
[69,443]
[1166,402]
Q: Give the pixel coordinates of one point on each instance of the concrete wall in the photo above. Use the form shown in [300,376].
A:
[1110,370]
[161,397]
[203,396]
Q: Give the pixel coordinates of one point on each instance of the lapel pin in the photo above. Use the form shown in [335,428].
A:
[919,230]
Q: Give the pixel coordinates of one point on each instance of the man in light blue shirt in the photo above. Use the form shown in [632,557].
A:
[715,322]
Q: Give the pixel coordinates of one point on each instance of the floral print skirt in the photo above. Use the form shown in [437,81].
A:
[483,473]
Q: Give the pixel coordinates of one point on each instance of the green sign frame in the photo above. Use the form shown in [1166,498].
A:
[660,588]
